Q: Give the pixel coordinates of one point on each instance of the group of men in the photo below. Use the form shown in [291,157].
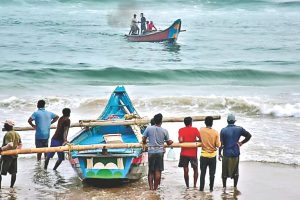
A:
[41,121]
[228,141]
[146,26]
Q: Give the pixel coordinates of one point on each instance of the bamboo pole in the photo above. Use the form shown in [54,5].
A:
[92,123]
[92,146]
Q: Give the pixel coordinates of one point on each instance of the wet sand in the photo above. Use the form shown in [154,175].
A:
[257,181]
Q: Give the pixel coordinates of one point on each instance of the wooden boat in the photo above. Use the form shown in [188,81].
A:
[111,164]
[170,34]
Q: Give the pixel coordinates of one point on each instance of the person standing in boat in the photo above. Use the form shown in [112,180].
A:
[143,23]
[11,140]
[210,143]
[43,120]
[134,29]
[60,137]
[188,155]
[157,137]
[231,145]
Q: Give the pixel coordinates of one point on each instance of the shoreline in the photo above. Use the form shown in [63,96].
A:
[258,180]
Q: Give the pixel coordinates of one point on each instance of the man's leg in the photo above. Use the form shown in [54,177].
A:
[157,179]
[224,179]
[194,164]
[13,180]
[39,156]
[212,171]
[46,162]
[186,175]
[151,179]
[0,180]
[235,180]
[58,162]
[203,166]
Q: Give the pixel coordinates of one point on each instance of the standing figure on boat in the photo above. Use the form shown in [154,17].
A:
[43,120]
[134,29]
[157,137]
[143,23]
[150,26]
[8,163]
[60,137]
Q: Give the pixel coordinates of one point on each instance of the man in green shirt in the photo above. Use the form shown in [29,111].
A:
[11,141]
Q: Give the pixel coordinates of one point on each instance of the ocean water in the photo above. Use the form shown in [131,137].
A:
[240,56]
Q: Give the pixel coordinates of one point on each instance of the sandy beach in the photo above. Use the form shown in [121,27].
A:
[257,181]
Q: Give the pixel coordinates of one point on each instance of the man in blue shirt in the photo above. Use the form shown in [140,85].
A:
[43,120]
[230,145]
[157,136]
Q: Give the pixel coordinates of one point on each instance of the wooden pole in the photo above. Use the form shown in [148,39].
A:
[91,123]
[92,146]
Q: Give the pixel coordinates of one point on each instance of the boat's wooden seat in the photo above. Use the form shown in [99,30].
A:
[113,138]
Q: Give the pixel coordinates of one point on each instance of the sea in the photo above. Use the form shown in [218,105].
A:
[236,56]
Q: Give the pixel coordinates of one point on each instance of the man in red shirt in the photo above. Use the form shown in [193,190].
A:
[188,134]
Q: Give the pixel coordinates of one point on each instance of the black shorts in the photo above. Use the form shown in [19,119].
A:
[184,161]
[8,164]
[40,143]
[156,162]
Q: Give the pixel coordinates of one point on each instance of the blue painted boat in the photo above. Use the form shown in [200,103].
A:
[111,164]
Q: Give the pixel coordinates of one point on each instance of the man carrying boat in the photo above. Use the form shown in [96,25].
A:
[43,120]
[157,137]
[188,155]
[60,137]
[8,163]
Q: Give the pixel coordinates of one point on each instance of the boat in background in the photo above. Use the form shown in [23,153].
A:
[111,164]
[170,34]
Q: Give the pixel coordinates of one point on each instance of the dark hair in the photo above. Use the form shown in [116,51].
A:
[152,122]
[66,112]
[209,121]
[187,121]
[230,122]
[7,127]
[134,15]
[41,103]
[158,119]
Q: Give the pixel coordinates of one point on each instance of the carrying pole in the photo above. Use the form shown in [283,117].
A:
[70,147]
[92,123]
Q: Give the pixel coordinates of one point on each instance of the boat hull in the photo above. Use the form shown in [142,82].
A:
[129,168]
[111,164]
[170,34]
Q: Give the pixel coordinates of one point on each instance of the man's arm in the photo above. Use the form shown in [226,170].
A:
[145,135]
[198,135]
[66,131]
[30,120]
[167,139]
[7,147]
[54,119]
[180,138]
[221,146]
[220,152]
[247,136]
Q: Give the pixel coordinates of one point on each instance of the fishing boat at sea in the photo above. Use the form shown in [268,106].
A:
[121,164]
[169,35]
